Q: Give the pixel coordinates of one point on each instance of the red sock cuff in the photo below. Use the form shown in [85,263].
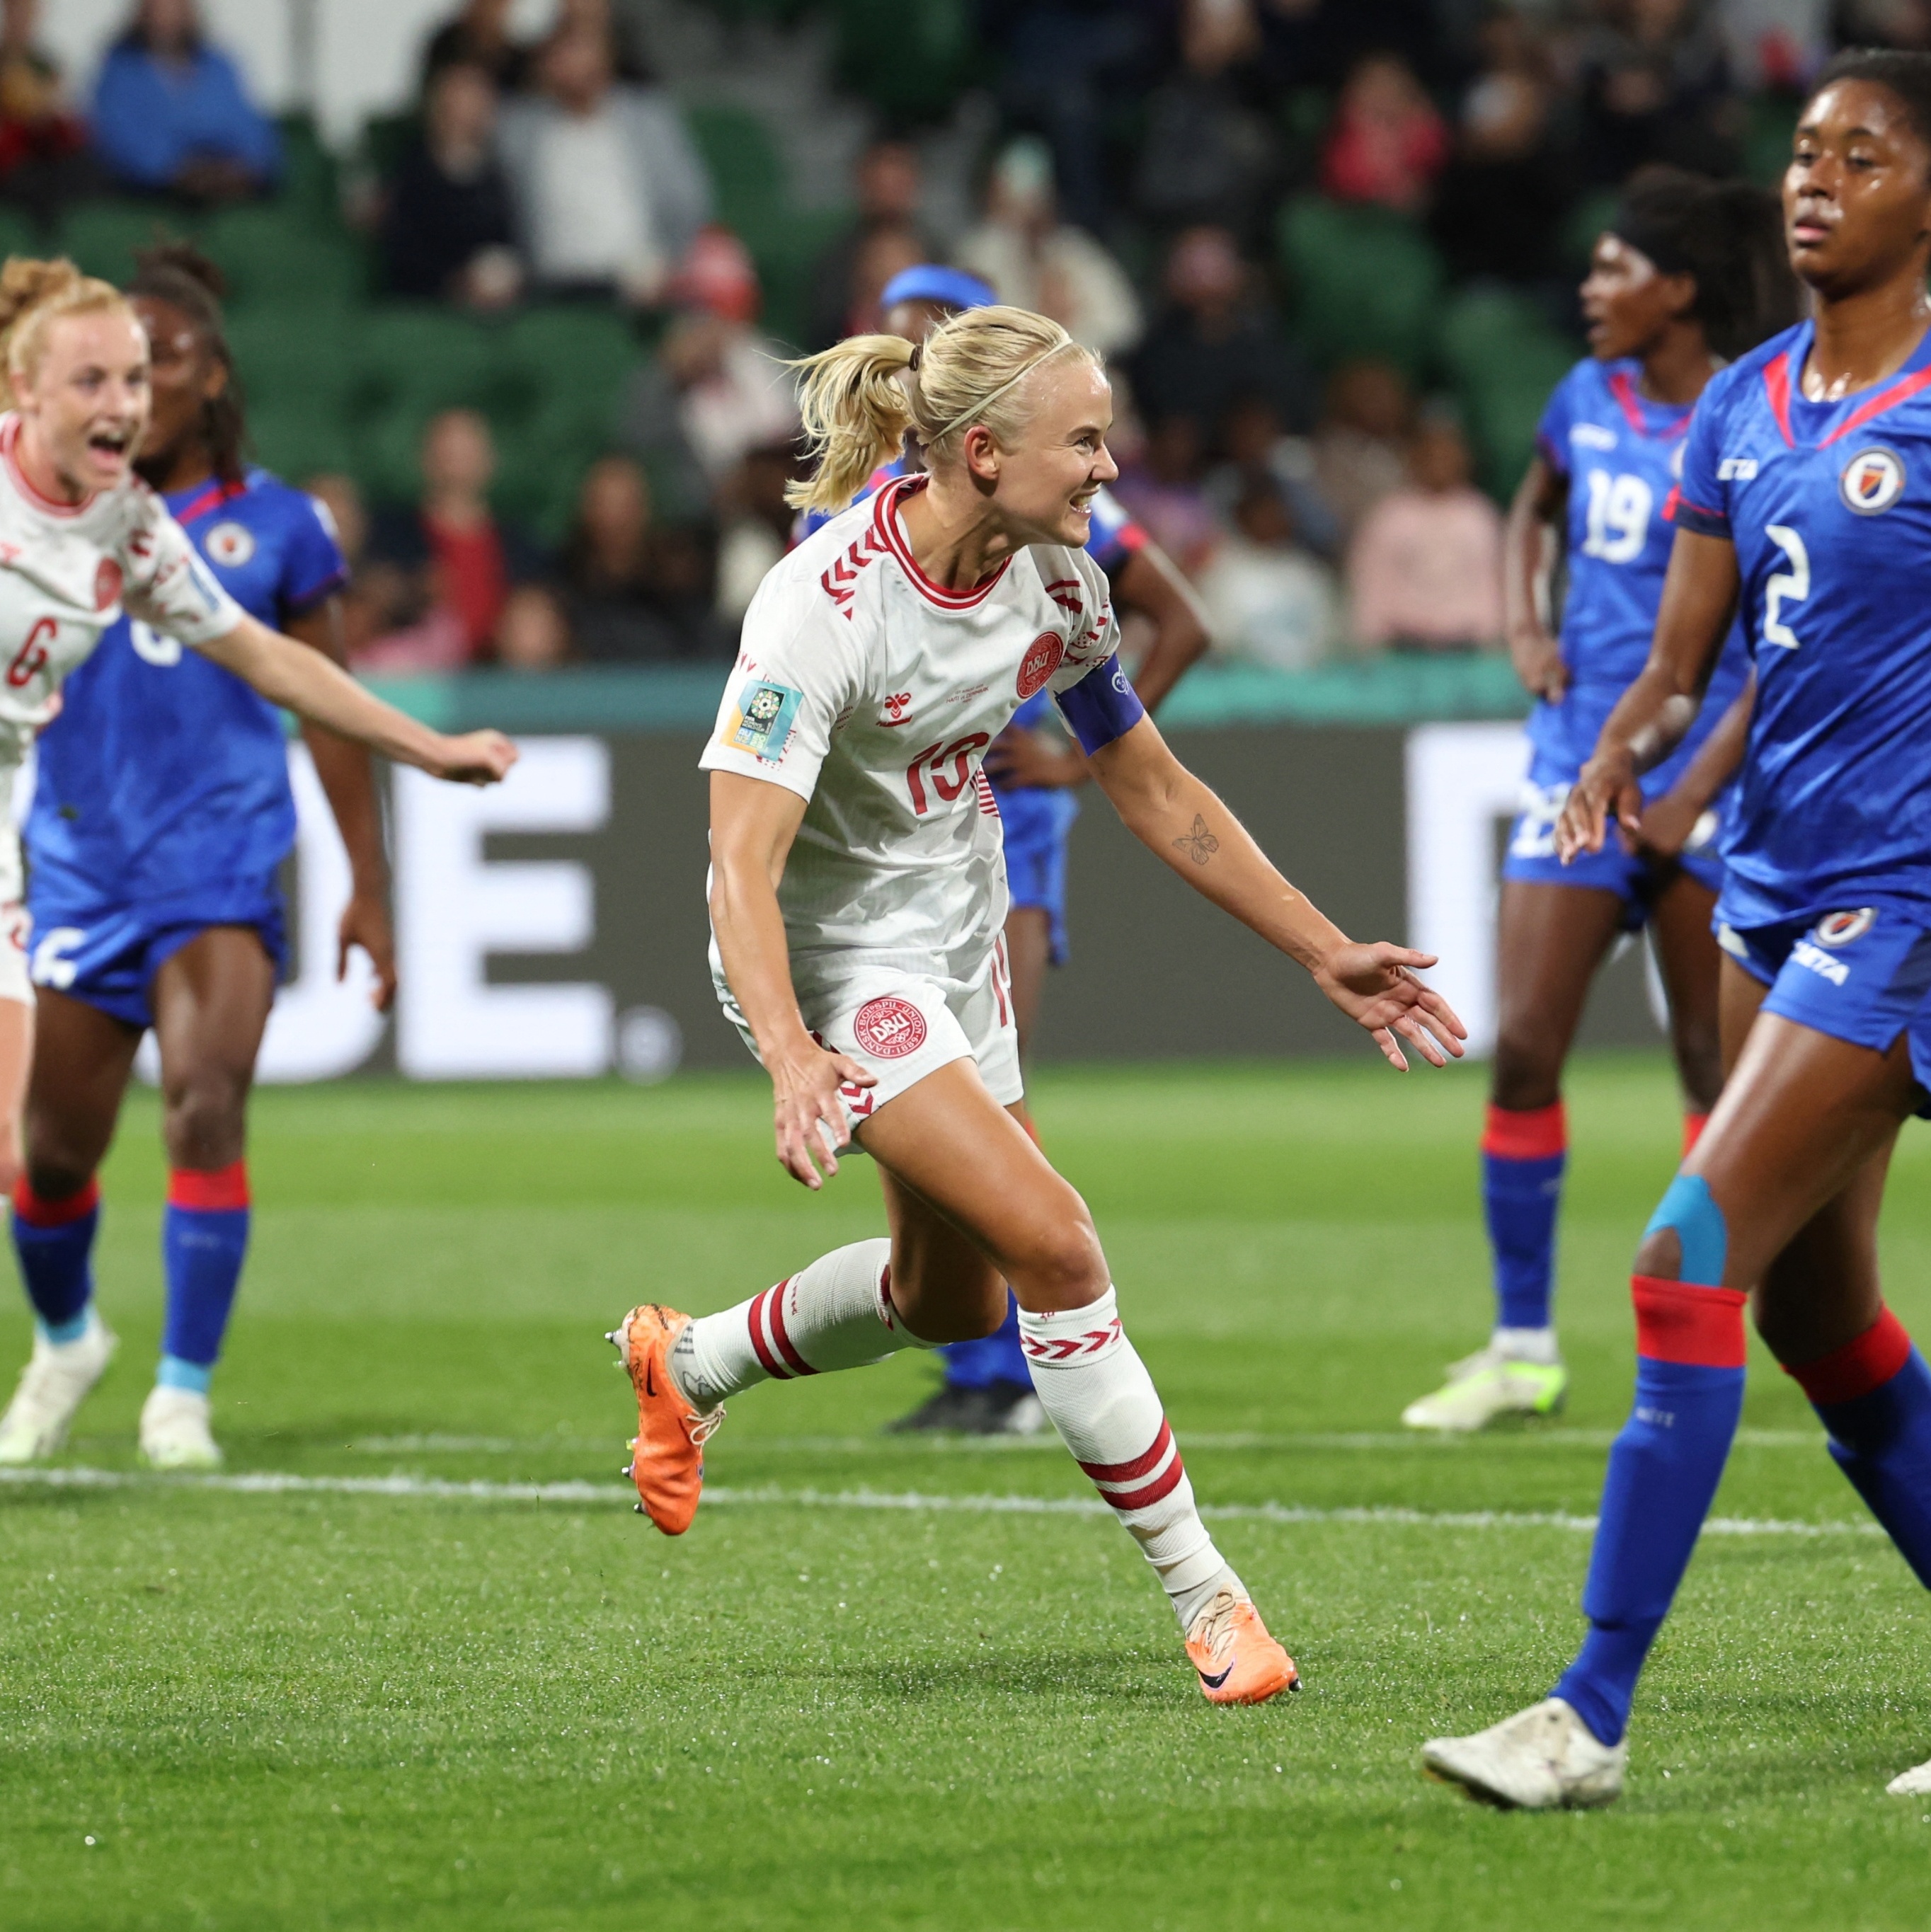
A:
[1858,1366]
[1693,1125]
[1532,1133]
[1680,1322]
[224,1188]
[38,1212]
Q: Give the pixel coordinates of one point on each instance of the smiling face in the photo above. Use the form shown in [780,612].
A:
[1857,196]
[1627,302]
[1042,486]
[85,405]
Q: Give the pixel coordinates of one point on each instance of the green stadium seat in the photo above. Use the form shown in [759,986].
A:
[19,236]
[1366,281]
[1503,359]
[294,357]
[276,251]
[746,171]
[296,441]
[911,58]
[102,236]
[1583,223]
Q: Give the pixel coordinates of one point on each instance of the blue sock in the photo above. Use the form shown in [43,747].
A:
[54,1242]
[1523,1156]
[204,1240]
[997,1357]
[1874,1396]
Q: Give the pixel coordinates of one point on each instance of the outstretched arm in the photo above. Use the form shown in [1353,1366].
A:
[316,692]
[343,767]
[1174,815]
[1699,598]
[753,824]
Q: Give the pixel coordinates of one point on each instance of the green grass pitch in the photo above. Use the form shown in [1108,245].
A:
[332,1708]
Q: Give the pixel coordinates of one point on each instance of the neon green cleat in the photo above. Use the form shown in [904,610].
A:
[1486,1385]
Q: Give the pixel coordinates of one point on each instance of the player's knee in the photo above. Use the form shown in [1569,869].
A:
[1687,1239]
[1060,1264]
[1528,1071]
[206,1119]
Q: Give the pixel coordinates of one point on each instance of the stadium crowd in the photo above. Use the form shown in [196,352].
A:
[1328,247]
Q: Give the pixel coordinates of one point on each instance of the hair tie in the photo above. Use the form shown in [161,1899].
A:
[917,354]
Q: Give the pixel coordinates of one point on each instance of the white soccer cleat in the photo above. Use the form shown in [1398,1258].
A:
[54,1383]
[1487,1385]
[1541,1759]
[175,1433]
[1915,1783]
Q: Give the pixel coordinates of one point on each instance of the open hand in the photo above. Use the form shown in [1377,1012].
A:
[809,1115]
[1375,986]
[1606,791]
[475,757]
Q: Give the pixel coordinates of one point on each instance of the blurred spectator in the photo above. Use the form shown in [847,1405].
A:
[757,526]
[1361,445]
[1425,573]
[633,593]
[1271,601]
[1217,341]
[446,234]
[1386,143]
[1499,208]
[1780,43]
[1655,87]
[608,189]
[1903,24]
[441,573]
[1256,453]
[846,278]
[1036,262]
[1208,152]
[1163,489]
[479,36]
[532,634]
[44,157]
[715,389]
[170,113]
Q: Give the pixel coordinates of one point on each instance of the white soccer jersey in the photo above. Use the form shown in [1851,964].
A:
[66,570]
[872,692]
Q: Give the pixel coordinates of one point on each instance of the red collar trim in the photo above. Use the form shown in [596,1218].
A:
[212,497]
[885,522]
[1629,399]
[10,437]
[1776,386]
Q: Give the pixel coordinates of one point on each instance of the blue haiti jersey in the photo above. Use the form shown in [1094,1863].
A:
[1620,454]
[164,772]
[1829,506]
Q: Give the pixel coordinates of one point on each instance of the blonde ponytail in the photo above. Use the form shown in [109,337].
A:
[856,412]
[33,295]
[859,397]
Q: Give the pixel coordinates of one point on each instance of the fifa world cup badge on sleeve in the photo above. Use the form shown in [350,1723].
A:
[762,724]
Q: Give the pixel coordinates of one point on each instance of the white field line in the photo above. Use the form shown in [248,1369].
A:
[434,1489]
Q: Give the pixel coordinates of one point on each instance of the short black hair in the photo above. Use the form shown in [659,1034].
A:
[179,275]
[1906,75]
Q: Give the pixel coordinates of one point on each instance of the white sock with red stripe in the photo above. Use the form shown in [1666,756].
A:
[835,1314]
[1103,1403]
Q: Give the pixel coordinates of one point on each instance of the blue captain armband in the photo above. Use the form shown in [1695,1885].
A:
[1102,706]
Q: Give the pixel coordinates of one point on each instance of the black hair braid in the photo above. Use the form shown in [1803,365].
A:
[179,275]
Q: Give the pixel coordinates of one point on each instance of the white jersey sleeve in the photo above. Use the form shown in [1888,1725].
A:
[166,583]
[1096,631]
[798,676]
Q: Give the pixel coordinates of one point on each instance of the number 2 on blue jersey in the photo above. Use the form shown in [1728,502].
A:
[1786,587]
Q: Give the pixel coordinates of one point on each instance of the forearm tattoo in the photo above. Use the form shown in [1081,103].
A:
[1199,844]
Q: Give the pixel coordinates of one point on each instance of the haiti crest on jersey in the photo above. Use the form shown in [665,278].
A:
[1872,480]
[229,544]
[1839,928]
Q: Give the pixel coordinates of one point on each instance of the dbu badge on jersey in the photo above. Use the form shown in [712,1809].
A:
[764,723]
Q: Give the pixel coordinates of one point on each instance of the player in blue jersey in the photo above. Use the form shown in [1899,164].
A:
[1688,272]
[1804,507]
[1035,771]
[161,815]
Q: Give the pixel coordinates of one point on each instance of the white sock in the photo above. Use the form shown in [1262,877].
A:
[1537,1346]
[1103,1403]
[835,1314]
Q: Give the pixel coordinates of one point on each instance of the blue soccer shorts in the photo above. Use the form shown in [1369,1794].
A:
[1036,822]
[1636,881]
[1862,973]
[107,951]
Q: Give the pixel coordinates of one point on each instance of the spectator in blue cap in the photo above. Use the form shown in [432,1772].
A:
[171,115]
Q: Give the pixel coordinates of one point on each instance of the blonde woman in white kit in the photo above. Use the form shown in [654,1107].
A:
[81,538]
[857,895]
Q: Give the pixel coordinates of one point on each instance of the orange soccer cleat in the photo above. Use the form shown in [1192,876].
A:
[1239,1663]
[667,1457]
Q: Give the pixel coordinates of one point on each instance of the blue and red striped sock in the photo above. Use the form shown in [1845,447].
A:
[1523,1153]
[1665,1465]
[54,1241]
[204,1241]
[1874,1396]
